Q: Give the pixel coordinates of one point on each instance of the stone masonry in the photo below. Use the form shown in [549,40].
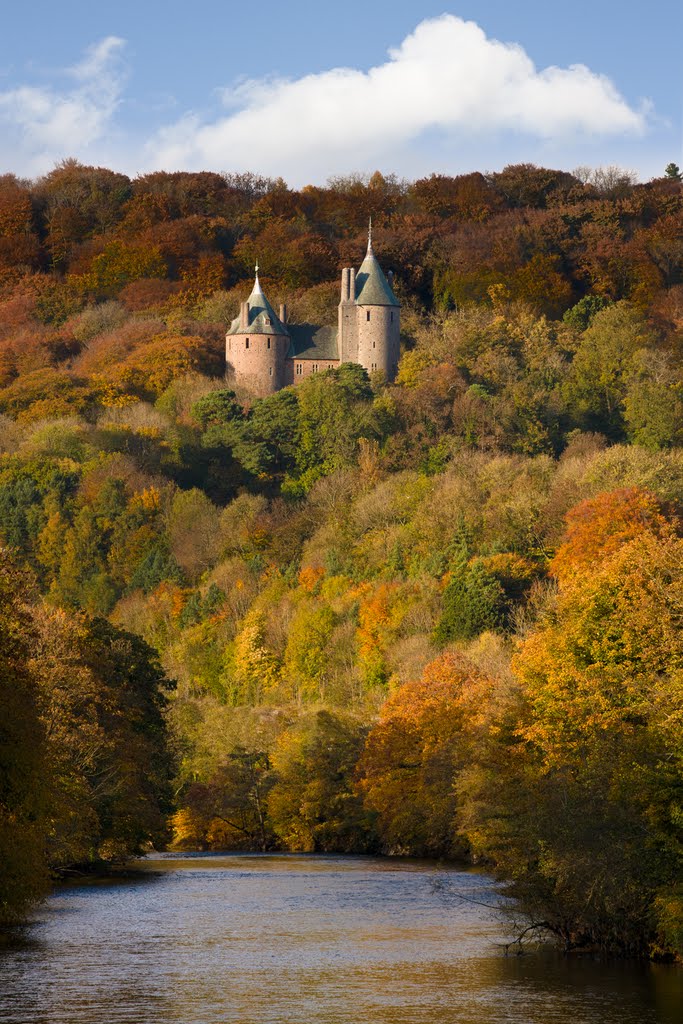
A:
[266,353]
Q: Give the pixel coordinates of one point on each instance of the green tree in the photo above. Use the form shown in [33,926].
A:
[472,602]
[266,442]
[216,409]
[335,411]
[598,380]
[582,314]
[653,403]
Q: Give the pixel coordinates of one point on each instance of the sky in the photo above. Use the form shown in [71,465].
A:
[307,89]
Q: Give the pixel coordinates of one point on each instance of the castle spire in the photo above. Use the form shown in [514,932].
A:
[256,280]
[370,252]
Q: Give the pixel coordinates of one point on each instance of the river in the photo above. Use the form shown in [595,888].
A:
[213,939]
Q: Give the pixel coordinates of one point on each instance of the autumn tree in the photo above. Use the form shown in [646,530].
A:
[412,757]
[23,763]
[193,530]
[313,806]
[19,243]
[579,810]
[306,664]
[229,810]
[77,202]
[103,696]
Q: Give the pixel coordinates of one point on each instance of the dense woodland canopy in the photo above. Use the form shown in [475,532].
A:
[441,617]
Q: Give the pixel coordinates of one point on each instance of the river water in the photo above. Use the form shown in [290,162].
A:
[212,939]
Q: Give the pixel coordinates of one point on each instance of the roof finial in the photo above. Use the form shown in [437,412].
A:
[256,280]
[370,252]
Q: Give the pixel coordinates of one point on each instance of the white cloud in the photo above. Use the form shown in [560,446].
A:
[42,124]
[447,98]
[446,77]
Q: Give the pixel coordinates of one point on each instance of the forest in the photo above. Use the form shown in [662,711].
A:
[440,617]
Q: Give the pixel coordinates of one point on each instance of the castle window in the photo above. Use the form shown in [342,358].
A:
[315,367]
[298,367]
[392,317]
[270,371]
[229,345]
[246,344]
[268,342]
[373,344]
[367,315]
[268,321]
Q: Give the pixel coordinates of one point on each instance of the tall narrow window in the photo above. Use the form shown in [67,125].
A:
[373,344]
[268,342]
[367,315]
[392,316]
[270,371]
[229,345]
[246,344]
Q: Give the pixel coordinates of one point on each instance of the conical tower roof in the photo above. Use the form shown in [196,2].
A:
[372,287]
[262,317]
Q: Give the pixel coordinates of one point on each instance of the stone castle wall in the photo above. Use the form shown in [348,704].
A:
[297,370]
[378,331]
[257,360]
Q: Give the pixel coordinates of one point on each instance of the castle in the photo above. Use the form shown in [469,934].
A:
[266,353]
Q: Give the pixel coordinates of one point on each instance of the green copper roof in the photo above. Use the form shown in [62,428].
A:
[372,287]
[262,316]
[312,342]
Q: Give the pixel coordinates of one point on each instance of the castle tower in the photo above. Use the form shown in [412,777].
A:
[256,344]
[369,320]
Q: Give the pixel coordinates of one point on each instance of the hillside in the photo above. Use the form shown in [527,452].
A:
[440,617]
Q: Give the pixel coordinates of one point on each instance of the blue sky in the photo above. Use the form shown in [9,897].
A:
[448,87]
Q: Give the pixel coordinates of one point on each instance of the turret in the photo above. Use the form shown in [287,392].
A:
[256,344]
[369,320]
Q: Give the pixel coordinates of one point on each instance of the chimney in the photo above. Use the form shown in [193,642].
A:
[352,285]
[283,313]
[345,285]
[244,316]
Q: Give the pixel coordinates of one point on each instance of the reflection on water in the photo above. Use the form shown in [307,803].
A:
[304,940]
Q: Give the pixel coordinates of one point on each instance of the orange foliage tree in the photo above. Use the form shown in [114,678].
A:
[413,755]
[579,803]
[598,527]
